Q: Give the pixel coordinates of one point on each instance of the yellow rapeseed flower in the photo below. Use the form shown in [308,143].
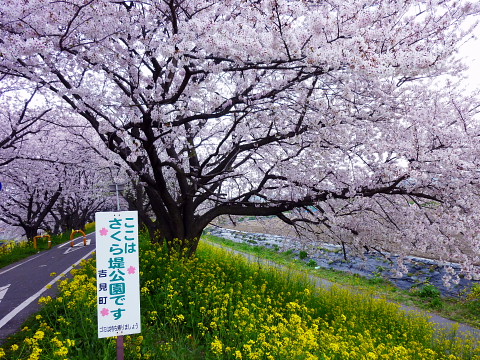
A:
[63,351]
[70,343]
[45,299]
[217,346]
[57,342]
[39,335]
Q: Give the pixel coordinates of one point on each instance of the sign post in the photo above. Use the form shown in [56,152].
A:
[118,281]
[117,188]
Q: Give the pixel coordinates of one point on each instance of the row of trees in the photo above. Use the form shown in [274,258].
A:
[48,179]
[54,178]
[335,116]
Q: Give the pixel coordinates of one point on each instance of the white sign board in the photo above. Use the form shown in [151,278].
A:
[118,280]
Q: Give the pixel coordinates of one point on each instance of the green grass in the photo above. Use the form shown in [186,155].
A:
[219,306]
[14,251]
[290,260]
[464,309]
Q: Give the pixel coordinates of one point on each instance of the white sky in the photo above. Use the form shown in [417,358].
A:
[470,52]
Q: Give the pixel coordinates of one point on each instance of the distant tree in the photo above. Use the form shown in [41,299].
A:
[29,196]
[56,182]
[266,107]
[85,193]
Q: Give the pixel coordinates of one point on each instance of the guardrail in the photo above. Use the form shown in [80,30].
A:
[72,235]
[49,239]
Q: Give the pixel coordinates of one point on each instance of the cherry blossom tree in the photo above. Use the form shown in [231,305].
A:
[85,193]
[19,116]
[56,181]
[24,120]
[319,111]
[29,196]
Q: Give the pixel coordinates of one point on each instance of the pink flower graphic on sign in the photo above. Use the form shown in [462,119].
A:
[131,270]
[105,312]
[103,231]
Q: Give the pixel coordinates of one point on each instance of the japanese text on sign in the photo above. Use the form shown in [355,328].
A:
[118,282]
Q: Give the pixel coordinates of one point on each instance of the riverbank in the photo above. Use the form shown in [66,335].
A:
[420,271]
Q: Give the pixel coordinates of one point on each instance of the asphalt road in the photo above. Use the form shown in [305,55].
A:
[23,283]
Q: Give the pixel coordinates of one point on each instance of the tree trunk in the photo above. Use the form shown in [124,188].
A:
[30,231]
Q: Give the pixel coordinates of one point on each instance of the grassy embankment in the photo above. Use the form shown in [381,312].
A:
[465,309]
[219,306]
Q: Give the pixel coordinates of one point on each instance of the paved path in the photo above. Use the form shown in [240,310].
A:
[439,321]
[23,283]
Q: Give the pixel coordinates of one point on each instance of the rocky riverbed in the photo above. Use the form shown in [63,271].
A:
[420,271]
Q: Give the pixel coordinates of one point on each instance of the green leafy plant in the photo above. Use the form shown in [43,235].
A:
[312,263]
[429,291]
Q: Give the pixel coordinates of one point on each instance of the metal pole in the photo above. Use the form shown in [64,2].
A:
[120,348]
[120,340]
[118,200]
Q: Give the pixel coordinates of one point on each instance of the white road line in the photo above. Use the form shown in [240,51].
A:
[32,298]
[32,258]
[68,242]
[77,246]
[13,267]
[3,291]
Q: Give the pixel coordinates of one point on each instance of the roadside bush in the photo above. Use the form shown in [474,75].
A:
[312,263]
